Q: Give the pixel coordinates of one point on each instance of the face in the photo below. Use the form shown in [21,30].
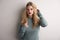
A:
[29,10]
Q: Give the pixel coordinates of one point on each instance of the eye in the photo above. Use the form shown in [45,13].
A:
[31,9]
[27,9]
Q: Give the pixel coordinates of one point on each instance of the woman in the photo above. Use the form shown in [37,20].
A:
[31,20]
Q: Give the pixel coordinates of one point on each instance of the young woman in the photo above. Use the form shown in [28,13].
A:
[31,20]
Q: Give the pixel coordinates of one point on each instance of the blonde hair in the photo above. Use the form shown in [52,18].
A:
[24,17]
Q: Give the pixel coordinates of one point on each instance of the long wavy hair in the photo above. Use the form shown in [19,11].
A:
[24,17]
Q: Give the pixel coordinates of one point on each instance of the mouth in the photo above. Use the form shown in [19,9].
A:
[29,13]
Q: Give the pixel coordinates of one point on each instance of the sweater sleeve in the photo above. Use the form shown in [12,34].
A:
[21,31]
[42,22]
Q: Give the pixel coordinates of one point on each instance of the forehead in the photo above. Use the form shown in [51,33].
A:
[28,7]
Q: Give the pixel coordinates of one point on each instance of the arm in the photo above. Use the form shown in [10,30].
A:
[21,31]
[43,22]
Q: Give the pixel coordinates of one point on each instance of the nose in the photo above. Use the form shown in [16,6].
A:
[29,11]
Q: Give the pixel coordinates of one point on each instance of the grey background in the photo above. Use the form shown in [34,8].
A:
[10,11]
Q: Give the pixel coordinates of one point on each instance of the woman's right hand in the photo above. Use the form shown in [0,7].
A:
[26,24]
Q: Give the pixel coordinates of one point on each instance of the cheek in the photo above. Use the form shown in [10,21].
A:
[27,12]
[32,12]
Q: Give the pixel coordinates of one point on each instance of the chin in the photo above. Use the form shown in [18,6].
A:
[30,14]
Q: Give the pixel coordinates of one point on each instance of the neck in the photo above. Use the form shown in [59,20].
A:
[30,16]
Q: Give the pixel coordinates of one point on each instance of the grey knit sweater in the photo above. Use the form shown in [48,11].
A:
[30,33]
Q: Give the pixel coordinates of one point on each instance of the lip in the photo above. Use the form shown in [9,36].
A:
[29,13]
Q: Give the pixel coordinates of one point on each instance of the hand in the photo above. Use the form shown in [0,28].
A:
[26,24]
